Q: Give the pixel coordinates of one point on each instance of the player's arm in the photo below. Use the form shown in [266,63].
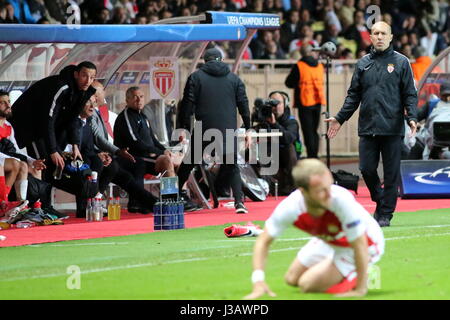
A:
[361,250]
[260,253]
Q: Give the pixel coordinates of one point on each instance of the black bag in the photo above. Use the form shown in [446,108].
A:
[346,179]
[39,189]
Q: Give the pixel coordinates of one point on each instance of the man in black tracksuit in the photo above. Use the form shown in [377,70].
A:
[132,131]
[212,94]
[104,162]
[383,83]
[42,114]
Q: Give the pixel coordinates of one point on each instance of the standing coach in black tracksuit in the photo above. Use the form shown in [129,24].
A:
[383,83]
[213,94]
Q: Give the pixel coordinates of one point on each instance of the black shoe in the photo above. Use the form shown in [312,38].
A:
[136,209]
[188,204]
[240,208]
[59,215]
[384,222]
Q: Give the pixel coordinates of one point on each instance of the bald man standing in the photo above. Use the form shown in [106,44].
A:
[383,84]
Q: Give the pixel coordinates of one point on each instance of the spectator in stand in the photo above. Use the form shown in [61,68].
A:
[421,64]
[290,30]
[413,39]
[3,12]
[257,6]
[119,16]
[428,15]
[185,12]
[130,8]
[358,31]
[57,9]
[272,52]
[346,14]
[331,33]
[306,36]
[305,17]
[258,45]
[330,16]
[101,16]
[140,19]
[39,11]
[10,15]
[153,18]
[296,5]
[406,50]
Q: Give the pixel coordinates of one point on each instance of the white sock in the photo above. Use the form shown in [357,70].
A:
[21,188]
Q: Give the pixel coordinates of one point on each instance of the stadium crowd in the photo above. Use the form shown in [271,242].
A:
[421,27]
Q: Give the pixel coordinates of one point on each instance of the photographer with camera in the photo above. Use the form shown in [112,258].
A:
[274,114]
[428,144]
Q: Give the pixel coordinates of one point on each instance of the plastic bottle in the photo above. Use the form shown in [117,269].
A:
[98,213]
[111,210]
[118,209]
[89,210]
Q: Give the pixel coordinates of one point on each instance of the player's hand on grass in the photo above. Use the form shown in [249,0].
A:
[352,293]
[260,288]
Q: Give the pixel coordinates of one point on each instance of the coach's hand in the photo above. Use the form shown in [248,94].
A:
[259,289]
[57,159]
[126,155]
[413,126]
[334,127]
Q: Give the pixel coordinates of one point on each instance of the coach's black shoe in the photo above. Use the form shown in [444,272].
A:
[240,208]
[384,222]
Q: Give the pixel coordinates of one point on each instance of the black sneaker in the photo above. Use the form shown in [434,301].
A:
[240,208]
[54,212]
[384,222]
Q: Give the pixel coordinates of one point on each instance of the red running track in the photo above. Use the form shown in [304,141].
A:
[76,229]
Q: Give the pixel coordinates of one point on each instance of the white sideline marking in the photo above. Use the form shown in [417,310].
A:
[77,244]
[151,264]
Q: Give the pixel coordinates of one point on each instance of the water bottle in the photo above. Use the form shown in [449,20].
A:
[89,210]
[157,216]
[111,215]
[98,214]
[57,174]
[118,209]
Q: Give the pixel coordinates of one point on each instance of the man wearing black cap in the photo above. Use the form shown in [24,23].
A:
[212,94]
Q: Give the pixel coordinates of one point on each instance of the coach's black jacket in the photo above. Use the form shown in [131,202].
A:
[47,109]
[383,83]
[131,130]
[213,93]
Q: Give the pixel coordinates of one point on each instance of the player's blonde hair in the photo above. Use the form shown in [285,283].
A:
[306,168]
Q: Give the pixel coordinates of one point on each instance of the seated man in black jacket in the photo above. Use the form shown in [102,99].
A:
[106,164]
[132,131]
[283,121]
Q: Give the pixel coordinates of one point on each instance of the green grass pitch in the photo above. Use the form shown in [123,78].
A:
[202,264]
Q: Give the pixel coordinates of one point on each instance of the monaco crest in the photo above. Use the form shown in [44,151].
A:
[390,67]
[163,77]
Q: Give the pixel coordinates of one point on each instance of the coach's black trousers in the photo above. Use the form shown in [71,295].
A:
[309,121]
[370,148]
